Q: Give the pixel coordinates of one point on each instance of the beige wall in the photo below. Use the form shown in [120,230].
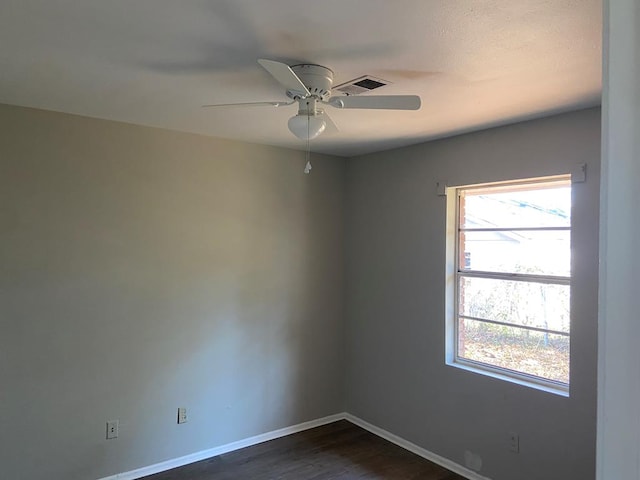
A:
[142,270]
[395,278]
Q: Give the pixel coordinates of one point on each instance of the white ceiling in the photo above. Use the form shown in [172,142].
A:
[475,63]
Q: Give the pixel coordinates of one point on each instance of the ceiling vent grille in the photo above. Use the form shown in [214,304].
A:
[361,85]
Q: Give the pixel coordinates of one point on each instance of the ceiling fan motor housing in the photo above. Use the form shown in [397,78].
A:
[316,78]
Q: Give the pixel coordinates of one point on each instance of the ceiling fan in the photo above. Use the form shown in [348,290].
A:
[309,86]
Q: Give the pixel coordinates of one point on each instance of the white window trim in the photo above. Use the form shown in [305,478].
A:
[451,301]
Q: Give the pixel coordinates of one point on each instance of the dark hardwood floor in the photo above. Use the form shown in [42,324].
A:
[338,451]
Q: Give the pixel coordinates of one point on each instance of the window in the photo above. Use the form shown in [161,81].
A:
[508,280]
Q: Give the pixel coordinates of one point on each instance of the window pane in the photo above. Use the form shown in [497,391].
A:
[521,303]
[535,353]
[513,206]
[540,252]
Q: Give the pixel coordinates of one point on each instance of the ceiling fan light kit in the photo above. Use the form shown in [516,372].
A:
[307,126]
[309,122]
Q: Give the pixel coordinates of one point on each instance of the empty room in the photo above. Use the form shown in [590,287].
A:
[319,240]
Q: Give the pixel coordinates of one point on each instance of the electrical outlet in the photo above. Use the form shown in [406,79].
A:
[182,415]
[112,429]
[514,442]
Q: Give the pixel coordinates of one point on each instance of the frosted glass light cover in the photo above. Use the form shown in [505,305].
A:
[307,126]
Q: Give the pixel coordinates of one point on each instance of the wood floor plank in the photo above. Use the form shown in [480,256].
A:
[337,451]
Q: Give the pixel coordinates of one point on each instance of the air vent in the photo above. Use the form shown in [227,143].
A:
[361,85]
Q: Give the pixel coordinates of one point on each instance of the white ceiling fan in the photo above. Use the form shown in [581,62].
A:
[309,86]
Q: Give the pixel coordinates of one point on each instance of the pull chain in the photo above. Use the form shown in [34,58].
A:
[307,167]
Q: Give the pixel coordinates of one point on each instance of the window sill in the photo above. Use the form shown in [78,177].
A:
[504,375]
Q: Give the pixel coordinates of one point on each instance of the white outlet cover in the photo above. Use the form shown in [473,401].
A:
[182,415]
[514,442]
[112,429]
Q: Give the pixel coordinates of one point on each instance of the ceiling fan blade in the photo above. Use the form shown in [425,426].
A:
[385,102]
[283,74]
[249,104]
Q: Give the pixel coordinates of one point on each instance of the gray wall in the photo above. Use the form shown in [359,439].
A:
[395,271]
[142,270]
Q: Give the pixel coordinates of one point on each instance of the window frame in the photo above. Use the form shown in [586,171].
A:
[454,273]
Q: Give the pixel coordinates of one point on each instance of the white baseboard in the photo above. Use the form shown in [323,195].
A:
[247,442]
[412,447]
[229,447]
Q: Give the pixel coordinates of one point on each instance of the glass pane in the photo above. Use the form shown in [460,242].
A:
[514,206]
[535,353]
[521,303]
[540,252]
